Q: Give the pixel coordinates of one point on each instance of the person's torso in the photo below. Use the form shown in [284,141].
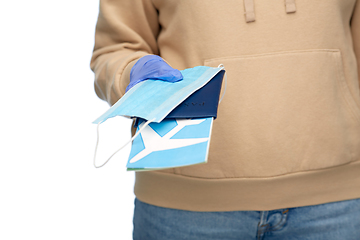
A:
[292,101]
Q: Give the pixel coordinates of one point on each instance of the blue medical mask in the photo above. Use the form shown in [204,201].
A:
[154,100]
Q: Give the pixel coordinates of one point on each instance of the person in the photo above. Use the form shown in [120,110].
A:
[284,158]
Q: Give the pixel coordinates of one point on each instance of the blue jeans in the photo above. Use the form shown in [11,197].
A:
[330,221]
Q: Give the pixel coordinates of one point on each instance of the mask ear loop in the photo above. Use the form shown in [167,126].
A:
[132,139]
[225,84]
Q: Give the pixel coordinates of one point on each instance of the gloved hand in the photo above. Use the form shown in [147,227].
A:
[152,67]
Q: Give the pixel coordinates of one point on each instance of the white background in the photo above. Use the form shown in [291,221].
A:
[49,187]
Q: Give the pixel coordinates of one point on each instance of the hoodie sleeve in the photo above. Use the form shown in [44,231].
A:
[355,29]
[126,30]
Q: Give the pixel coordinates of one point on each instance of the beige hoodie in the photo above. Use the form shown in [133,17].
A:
[288,129]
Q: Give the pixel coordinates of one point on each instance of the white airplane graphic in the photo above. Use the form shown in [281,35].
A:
[153,142]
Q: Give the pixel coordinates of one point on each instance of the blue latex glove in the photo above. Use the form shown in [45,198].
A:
[152,67]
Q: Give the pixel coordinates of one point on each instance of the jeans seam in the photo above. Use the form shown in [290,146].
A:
[261,230]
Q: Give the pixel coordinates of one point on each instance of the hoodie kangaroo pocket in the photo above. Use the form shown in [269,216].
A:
[282,112]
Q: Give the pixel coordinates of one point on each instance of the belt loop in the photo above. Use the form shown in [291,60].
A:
[290,6]
[249,10]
